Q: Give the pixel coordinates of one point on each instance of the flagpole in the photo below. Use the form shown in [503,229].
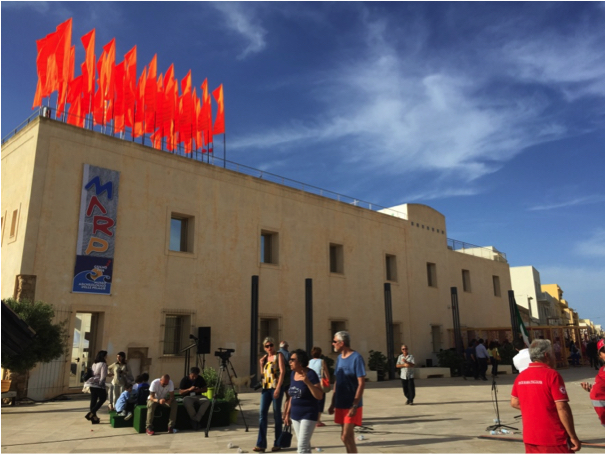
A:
[224,151]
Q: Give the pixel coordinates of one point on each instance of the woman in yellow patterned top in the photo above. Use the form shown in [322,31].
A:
[273,369]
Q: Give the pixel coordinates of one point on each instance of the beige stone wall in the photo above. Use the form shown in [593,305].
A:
[213,282]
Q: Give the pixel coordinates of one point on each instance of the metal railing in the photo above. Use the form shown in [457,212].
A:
[210,158]
[478,251]
[201,155]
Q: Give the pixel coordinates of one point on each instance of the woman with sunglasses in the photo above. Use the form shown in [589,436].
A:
[273,368]
[305,393]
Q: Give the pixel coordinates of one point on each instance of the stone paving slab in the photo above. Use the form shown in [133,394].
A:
[449,415]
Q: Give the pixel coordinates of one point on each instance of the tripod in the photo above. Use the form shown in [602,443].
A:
[495,401]
[225,362]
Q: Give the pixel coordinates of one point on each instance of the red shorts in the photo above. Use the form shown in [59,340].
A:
[341,416]
[542,448]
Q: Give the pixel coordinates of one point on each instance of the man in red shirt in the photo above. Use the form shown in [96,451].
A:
[597,389]
[539,392]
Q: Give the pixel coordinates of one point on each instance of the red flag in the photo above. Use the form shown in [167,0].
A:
[197,132]
[186,111]
[69,73]
[119,100]
[74,98]
[106,76]
[220,118]
[207,119]
[130,86]
[44,47]
[151,92]
[86,95]
[160,106]
[88,67]
[140,107]
[61,66]
[98,101]
[169,108]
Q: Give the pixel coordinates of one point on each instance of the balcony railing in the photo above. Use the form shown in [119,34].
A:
[478,251]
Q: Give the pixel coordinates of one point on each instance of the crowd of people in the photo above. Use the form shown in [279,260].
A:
[302,381]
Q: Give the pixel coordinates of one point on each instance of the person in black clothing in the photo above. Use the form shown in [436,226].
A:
[191,388]
[592,353]
[470,361]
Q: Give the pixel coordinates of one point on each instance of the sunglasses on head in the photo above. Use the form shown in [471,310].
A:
[269,345]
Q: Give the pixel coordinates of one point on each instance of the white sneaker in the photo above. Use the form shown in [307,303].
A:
[122,413]
[128,416]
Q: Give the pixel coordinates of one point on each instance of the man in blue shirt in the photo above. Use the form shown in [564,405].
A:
[346,405]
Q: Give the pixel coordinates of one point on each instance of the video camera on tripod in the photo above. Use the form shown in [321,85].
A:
[224,353]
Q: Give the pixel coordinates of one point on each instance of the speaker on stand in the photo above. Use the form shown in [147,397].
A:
[203,343]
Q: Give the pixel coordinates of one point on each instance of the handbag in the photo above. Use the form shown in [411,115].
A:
[286,437]
[325,381]
[326,385]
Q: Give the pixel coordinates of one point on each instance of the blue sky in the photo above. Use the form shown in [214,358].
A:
[491,113]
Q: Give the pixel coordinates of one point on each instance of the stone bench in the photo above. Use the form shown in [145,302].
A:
[221,417]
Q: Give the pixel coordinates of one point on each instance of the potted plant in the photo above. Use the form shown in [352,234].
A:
[232,402]
[377,361]
[451,359]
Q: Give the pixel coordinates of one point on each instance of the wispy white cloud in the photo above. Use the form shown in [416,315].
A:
[243,21]
[412,112]
[55,9]
[567,202]
[592,246]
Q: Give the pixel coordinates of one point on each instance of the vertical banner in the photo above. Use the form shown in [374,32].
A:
[96,231]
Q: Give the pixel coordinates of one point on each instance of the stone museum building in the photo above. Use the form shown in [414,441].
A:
[137,248]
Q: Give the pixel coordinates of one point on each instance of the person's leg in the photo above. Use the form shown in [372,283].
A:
[321,404]
[348,437]
[204,405]
[277,405]
[189,404]
[151,409]
[172,418]
[94,396]
[101,398]
[411,389]
[118,390]
[266,399]
[306,430]
[405,389]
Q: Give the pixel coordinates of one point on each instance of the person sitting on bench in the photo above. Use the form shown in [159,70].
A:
[191,388]
[161,392]
[125,405]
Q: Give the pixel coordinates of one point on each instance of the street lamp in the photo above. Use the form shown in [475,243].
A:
[530,298]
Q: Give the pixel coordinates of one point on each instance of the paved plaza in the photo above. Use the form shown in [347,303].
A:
[449,415]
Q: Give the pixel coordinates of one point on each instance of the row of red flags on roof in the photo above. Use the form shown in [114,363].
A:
[150,104]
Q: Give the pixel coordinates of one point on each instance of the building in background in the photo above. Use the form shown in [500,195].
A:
[137,248]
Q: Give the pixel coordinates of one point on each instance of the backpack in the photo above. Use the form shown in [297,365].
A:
[142,394]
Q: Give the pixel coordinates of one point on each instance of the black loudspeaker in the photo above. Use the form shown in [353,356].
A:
[203,340]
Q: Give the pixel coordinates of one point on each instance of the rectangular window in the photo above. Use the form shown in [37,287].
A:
[269,247]
[269,327]
[391,269]
[14,224]
[466,281]
[432,278]
[436,337]
[176,333]
[181,233]
[336,258]
[496,284]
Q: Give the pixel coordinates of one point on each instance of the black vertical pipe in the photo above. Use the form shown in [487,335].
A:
[456,321]
[254,328]
[309,316]
[389,331]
